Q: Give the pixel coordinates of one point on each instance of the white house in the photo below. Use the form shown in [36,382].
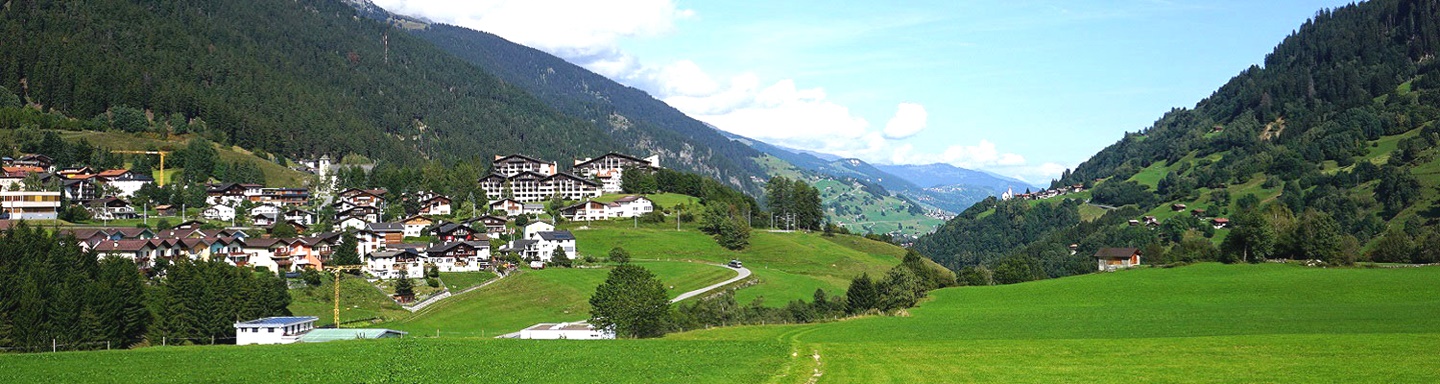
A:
[273,330]
[368,241]
[511,207]
[219,212]
[460,256]
[536,227]
[351,222]
[125,181]
[566,331]
[301,216]
[395,264]
[589,211]
[548,242]
[634,205]
[435,205]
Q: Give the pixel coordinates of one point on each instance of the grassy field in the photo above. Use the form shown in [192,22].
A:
[665,200]
[1202,323]
[788,265]
[414,360]
[1268,323]
[457,281]
[536,296]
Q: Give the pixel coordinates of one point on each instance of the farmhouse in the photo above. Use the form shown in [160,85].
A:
[633,205]
[1220,222]
[273,330]
[1110,259]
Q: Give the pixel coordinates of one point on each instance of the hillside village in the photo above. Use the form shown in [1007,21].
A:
[242,223]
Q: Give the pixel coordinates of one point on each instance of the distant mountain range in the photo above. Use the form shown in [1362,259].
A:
[940,174]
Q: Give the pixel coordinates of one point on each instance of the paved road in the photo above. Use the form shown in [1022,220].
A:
[744,272]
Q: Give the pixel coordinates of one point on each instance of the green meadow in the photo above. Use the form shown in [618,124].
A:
[787,265]
[538,296]
[1273,323]
[1201,323]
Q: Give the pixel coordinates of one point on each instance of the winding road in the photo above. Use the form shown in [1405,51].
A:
[744,272]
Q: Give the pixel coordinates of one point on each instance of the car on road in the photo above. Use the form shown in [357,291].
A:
[735,264]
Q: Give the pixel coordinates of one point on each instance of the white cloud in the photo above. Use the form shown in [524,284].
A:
[910,119]
[585,32]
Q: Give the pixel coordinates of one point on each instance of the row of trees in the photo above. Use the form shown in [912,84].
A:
[53,292]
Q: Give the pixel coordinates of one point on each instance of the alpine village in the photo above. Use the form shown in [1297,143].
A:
[335,191]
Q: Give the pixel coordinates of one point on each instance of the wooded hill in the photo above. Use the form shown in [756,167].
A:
[298,78]
[1327,152]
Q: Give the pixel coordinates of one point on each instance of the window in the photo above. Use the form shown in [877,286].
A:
[272,329]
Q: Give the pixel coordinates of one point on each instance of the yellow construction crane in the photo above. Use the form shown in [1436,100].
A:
[162,154]
[337,270]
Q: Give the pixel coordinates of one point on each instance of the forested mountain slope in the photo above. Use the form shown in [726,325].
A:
[1327,152]
[296,78]
[630,116]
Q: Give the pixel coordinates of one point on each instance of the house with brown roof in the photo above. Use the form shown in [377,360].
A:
[1110,259]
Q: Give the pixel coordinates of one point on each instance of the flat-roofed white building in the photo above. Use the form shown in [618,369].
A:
[273,330]
[566,331]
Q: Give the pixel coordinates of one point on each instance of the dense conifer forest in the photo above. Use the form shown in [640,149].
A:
[297,78]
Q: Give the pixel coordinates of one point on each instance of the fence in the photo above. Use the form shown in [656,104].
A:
[56,346]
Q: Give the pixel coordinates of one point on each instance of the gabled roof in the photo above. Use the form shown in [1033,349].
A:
[611,154]
[123,245]
[451,227]
[386,227]
[631,198]
[518,156]
[500,177]
[447,247]
[417,217]
[1116,253]
[501,201]
[531,174]
[556,236]
[263,242]
[112,173]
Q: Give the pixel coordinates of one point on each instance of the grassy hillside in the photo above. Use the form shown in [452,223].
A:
[276,175]
[536,296]
[1201,323]
[850,204]
[788,266]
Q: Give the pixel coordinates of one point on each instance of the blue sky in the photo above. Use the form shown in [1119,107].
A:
[1020,88]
